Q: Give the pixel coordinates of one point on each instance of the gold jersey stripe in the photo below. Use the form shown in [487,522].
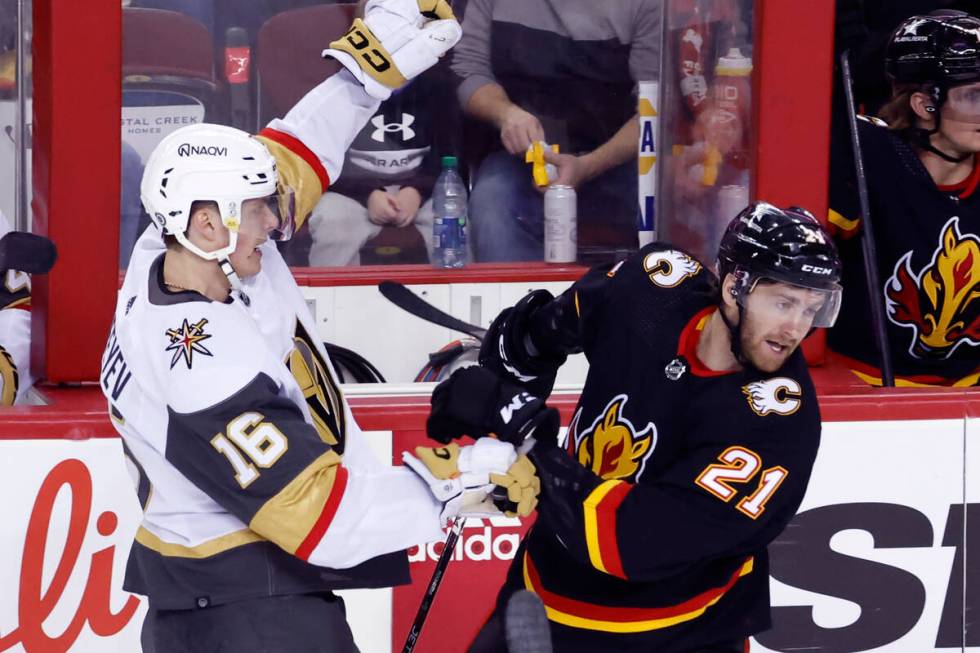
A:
[9,378]
[202,550]
[965,382]
[295,172]
[638,626]
[23,302]
[592,523]
[840,221]
[289,516]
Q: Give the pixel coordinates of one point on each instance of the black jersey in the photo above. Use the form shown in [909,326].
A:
[928,249]
[701,470]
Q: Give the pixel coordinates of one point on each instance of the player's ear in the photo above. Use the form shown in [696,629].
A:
[205,220]
[728,291]
[924,107]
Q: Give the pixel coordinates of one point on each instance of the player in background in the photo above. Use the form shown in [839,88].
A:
[692,444]
[36,255]
[922,173]
[260,493]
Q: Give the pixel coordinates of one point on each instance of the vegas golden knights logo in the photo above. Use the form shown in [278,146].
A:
[940,304]
[612,447]
[323,396]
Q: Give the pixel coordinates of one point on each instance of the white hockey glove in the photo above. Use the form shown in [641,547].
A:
[464,478]
[396,41]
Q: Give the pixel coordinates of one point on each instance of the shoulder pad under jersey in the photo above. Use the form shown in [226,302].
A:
[205,352]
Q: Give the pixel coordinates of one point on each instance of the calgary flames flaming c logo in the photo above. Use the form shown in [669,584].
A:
[612,447]
[942,304]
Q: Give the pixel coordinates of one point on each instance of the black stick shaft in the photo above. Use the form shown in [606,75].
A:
[406,300]
[434,583]
[867,234]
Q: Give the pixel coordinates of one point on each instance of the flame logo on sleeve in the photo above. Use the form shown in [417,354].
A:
[669,267]
[941,305]
[612,447]
[781,396]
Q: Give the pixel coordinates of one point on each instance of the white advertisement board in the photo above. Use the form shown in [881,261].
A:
[876,560]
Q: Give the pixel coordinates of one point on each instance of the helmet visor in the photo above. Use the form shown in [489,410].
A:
[963,103]
[283,205]
[811,307]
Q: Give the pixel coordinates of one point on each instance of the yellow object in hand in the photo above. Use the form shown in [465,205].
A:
[535,156]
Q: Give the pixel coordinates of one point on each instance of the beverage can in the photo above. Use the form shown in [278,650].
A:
[560,224]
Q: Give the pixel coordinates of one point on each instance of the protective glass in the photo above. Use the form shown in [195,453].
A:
[283,205]
[963,103]
[817,306]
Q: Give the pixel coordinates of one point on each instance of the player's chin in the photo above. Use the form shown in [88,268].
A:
[247,266]
[765,360]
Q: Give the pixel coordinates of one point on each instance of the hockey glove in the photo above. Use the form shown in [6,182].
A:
[517,491]
[509,351]
[476,402]
[396,41]
[463,478]
[565,486]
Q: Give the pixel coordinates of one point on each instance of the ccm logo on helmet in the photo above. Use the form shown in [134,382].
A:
[206,150]
[816,269]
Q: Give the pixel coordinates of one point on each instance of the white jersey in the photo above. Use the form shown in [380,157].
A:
[254,477]
[15,332]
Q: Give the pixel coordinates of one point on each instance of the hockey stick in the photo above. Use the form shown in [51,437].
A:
[406,300]
[433,587]
[867,233]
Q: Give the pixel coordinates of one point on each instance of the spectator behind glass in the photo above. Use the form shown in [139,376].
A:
[389,171]
[562,72]
[923,177]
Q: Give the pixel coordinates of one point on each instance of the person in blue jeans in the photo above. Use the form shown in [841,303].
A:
[507,212]
[562,72]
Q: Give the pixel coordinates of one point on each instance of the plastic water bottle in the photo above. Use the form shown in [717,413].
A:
[449,219]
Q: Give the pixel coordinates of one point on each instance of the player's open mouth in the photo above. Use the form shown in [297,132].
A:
[776,347]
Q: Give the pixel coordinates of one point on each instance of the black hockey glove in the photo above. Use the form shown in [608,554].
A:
[509,351]
[565,485]
[476,402]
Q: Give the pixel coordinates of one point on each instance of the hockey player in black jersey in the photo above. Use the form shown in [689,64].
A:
[923,175]
[690,448]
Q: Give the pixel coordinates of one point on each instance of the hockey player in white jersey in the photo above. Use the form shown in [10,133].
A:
[260,494]
[36,255]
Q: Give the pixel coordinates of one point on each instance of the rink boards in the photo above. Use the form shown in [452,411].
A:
[878,558]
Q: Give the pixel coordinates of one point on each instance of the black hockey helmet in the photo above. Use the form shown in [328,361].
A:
[764,242]
[941,48]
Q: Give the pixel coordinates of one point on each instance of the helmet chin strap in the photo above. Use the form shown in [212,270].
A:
[922,137]
[735,334]
[229,270]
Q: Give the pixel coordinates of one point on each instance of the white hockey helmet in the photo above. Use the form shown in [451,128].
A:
[209,162]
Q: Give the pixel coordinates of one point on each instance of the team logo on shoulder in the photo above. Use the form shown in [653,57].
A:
[612,447]
[781,395]
[669,267]
[186,340]
[940,304]
[323,396]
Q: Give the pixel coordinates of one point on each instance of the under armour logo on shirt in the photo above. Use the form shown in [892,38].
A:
[382,127]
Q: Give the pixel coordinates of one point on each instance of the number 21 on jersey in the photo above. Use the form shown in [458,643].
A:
[740,465]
